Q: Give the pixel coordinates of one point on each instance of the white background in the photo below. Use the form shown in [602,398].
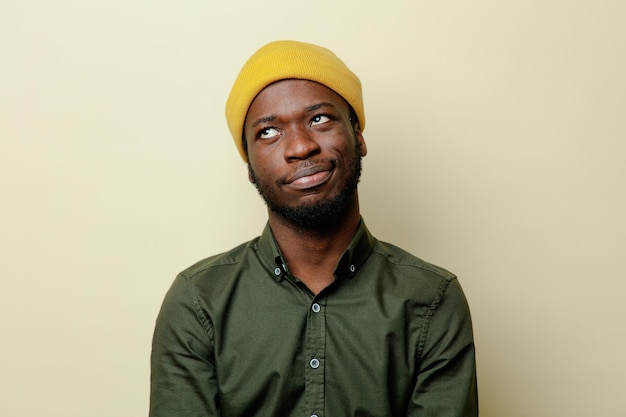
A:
[496,133]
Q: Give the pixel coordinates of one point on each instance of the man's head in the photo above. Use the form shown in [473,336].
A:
[283,60]
[300,136]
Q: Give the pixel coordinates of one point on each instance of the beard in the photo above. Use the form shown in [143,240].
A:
[322,214]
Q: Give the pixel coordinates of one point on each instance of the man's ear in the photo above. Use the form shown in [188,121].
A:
[359,137]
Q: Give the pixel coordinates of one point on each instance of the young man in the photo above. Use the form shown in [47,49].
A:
[315,317]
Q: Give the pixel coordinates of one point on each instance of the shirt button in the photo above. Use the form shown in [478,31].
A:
[316,308]
[313,415]
[352,268]
[315,363]
[277,271]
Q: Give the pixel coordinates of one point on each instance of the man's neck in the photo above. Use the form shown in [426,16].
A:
[312,254]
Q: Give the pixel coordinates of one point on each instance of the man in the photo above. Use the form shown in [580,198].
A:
[315,317]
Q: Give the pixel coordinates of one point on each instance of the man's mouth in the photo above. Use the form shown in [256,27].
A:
[309,177]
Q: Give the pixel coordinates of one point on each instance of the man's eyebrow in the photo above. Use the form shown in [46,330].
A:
[263,120]
[307,109]
[318,106]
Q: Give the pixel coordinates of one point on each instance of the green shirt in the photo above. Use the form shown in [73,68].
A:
[238,335]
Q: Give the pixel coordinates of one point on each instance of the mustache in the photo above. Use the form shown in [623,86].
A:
[306,168]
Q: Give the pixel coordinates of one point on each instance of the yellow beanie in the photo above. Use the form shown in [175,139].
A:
[282,60]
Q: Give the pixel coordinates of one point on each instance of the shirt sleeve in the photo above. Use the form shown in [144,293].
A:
[183,377]
[446,380]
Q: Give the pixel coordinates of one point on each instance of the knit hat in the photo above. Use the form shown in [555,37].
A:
[282,60]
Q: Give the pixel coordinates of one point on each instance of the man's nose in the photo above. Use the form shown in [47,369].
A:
[300,144]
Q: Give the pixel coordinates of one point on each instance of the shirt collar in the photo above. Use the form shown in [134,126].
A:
[352,259]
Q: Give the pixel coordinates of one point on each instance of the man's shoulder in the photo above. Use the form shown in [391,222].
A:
[402,259]
[230,258]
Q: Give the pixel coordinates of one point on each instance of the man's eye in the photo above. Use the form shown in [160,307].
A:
[267,133]
[319,119]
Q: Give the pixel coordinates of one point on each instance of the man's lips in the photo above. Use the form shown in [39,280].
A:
[309,177]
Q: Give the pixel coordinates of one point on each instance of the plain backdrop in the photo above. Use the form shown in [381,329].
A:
[496,133]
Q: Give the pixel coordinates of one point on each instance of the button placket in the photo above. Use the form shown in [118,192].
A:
[315,354]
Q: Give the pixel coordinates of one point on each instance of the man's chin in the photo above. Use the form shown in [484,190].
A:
[314,214]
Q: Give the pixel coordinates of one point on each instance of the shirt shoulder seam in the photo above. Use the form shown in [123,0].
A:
[414,262]
[430,312]
[203,319]
[231,257]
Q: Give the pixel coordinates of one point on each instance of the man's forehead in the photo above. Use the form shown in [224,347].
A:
[308,95]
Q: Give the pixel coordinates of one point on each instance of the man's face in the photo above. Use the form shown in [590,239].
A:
[304,156]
